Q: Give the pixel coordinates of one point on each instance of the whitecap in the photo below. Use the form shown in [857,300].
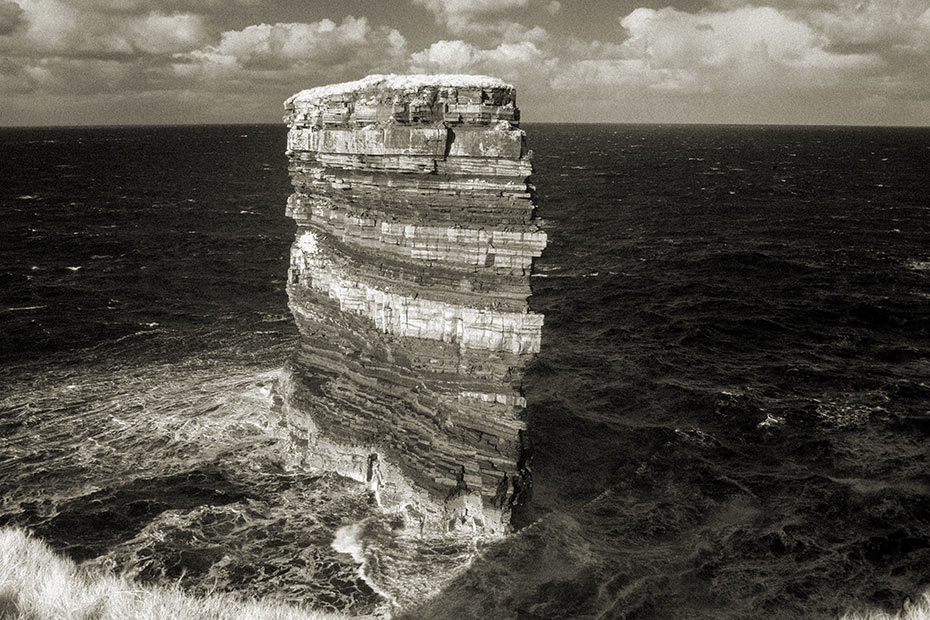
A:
[843,414]
[696,436]
[771,421]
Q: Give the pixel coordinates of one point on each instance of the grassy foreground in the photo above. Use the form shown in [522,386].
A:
[917,610]
[36,583]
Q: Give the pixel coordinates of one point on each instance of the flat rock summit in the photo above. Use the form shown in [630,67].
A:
[409,281]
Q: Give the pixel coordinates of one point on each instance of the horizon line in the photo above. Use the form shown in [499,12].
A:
[547,122]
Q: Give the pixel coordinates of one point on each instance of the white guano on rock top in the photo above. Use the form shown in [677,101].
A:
[393,81]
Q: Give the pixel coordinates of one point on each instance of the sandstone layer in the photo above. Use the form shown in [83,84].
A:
[409,281]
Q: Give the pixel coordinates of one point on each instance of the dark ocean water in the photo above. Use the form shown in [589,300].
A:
[730,413]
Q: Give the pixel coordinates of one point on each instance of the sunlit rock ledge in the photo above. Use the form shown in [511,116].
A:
[409,281]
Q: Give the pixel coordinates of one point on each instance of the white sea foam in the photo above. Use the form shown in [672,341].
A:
[347,540]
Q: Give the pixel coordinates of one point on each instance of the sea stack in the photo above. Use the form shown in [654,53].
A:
[409,282]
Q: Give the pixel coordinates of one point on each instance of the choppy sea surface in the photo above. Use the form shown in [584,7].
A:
[730,415]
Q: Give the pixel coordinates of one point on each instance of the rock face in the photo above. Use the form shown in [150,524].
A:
[409,281]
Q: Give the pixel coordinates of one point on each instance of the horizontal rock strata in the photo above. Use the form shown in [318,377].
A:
[409,282]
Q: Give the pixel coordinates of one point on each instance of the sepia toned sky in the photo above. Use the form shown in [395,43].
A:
[67,62]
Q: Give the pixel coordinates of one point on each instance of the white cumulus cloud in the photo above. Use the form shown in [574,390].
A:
[744,60]
[509,61]
[469,16]
[67,30]
[725,51]
[903,25]
[312,52]
[163,34]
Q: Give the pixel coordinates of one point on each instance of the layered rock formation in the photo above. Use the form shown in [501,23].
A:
[409,282]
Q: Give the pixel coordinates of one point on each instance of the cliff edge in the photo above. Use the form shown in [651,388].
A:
[409,281]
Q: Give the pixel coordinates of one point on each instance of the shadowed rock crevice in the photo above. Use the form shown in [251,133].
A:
[409,282]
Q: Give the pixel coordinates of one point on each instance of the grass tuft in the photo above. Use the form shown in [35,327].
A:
[36,583]
[916,610]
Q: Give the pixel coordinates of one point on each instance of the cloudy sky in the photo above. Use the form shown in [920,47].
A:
[65,62]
